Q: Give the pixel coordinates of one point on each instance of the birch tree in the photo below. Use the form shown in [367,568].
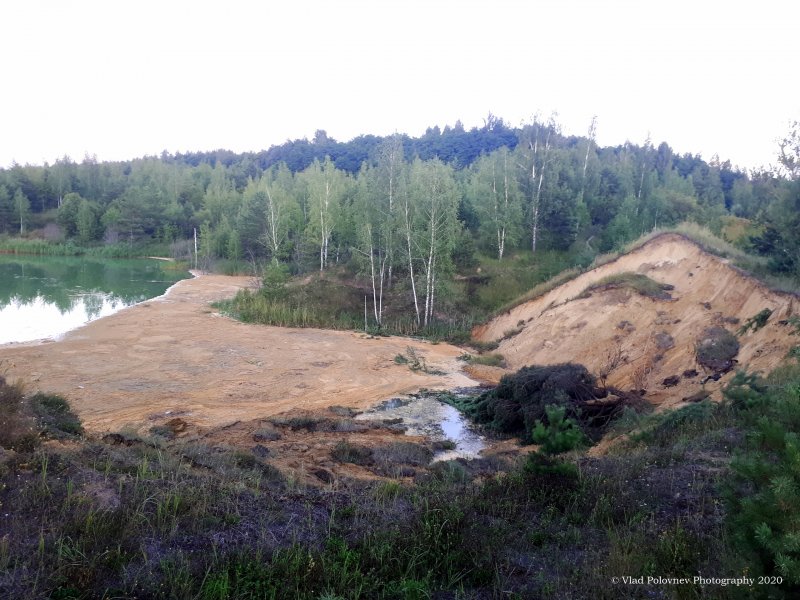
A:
[434,191]
[370,231]
[280,209]
[22,210]
[533,154]
[389,170]
[494,193]
[326,186]
[590,140]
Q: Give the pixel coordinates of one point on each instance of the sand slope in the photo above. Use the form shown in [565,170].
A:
[557,327]
[176,354]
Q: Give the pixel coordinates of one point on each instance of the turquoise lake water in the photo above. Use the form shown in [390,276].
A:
[44,297]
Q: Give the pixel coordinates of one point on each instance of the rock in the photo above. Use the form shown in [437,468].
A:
[697,396]
[671,381]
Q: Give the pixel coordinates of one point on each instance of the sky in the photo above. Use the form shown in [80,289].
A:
[122,79]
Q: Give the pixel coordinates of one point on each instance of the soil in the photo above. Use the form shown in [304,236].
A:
[176,356]
[623,332]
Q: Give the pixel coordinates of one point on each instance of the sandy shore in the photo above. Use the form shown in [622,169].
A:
[176,354]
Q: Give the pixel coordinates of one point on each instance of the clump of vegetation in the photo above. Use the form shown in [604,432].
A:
[490,359]
[521,399]
[352,453]
[17,425]
[755,322]
[637,282]
[559,434]
[266,433]
[765,493]
[295,422]
[416,362]
[716,349]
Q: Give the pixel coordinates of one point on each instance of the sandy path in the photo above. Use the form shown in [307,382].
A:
[176,354]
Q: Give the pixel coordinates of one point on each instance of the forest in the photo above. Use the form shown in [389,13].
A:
[403,213]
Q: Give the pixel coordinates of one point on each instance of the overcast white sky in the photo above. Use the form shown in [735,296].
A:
[123,79]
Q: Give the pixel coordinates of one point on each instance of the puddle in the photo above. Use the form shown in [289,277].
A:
[436,420]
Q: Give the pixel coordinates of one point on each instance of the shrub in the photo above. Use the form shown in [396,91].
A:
[55,415]
[716,349]
[491,360]
[560,434]
[755,322]
[17,430]
[764,495]
[520,399]
[407,453]
[346,452]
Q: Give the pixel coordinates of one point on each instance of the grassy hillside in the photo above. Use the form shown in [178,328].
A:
[154,517]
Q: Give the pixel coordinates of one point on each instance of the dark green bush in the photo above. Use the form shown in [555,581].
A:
[764,496]
[55,416]
[559,434]
[521,399]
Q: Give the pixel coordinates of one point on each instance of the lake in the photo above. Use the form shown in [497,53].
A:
[46,296]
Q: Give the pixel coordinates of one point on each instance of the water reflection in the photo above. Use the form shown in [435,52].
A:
[44,297]
[431,418]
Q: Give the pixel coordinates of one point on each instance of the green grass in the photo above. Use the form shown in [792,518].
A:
[637,282]
[10,245]
[135,517]
[328,313]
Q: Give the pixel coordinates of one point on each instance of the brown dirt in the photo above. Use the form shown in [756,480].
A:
[559,327]
[175,356]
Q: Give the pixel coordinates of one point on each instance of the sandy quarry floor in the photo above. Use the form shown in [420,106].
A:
[176,356]
[655,339]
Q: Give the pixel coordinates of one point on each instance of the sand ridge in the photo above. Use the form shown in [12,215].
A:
[654,339]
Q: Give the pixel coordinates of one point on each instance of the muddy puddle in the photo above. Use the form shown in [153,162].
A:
[426,416]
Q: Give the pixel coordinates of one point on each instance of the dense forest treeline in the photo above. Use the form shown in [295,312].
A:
[408,211]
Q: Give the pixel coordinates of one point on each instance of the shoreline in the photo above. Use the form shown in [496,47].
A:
[57,337]
[174,353]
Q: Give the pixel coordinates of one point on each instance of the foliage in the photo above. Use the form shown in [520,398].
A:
[490,359]
[403,216]
[559,434]
[641,284]
[755,322]
[55,415]
[765,495]
[521,399]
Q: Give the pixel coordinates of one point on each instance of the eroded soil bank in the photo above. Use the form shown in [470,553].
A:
[647,343]
[175,356]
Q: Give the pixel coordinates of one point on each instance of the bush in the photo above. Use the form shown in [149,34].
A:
[55,416]
[17,431]
[716,349]
[520,400]
[559,435]
[764,497]
[346,452]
